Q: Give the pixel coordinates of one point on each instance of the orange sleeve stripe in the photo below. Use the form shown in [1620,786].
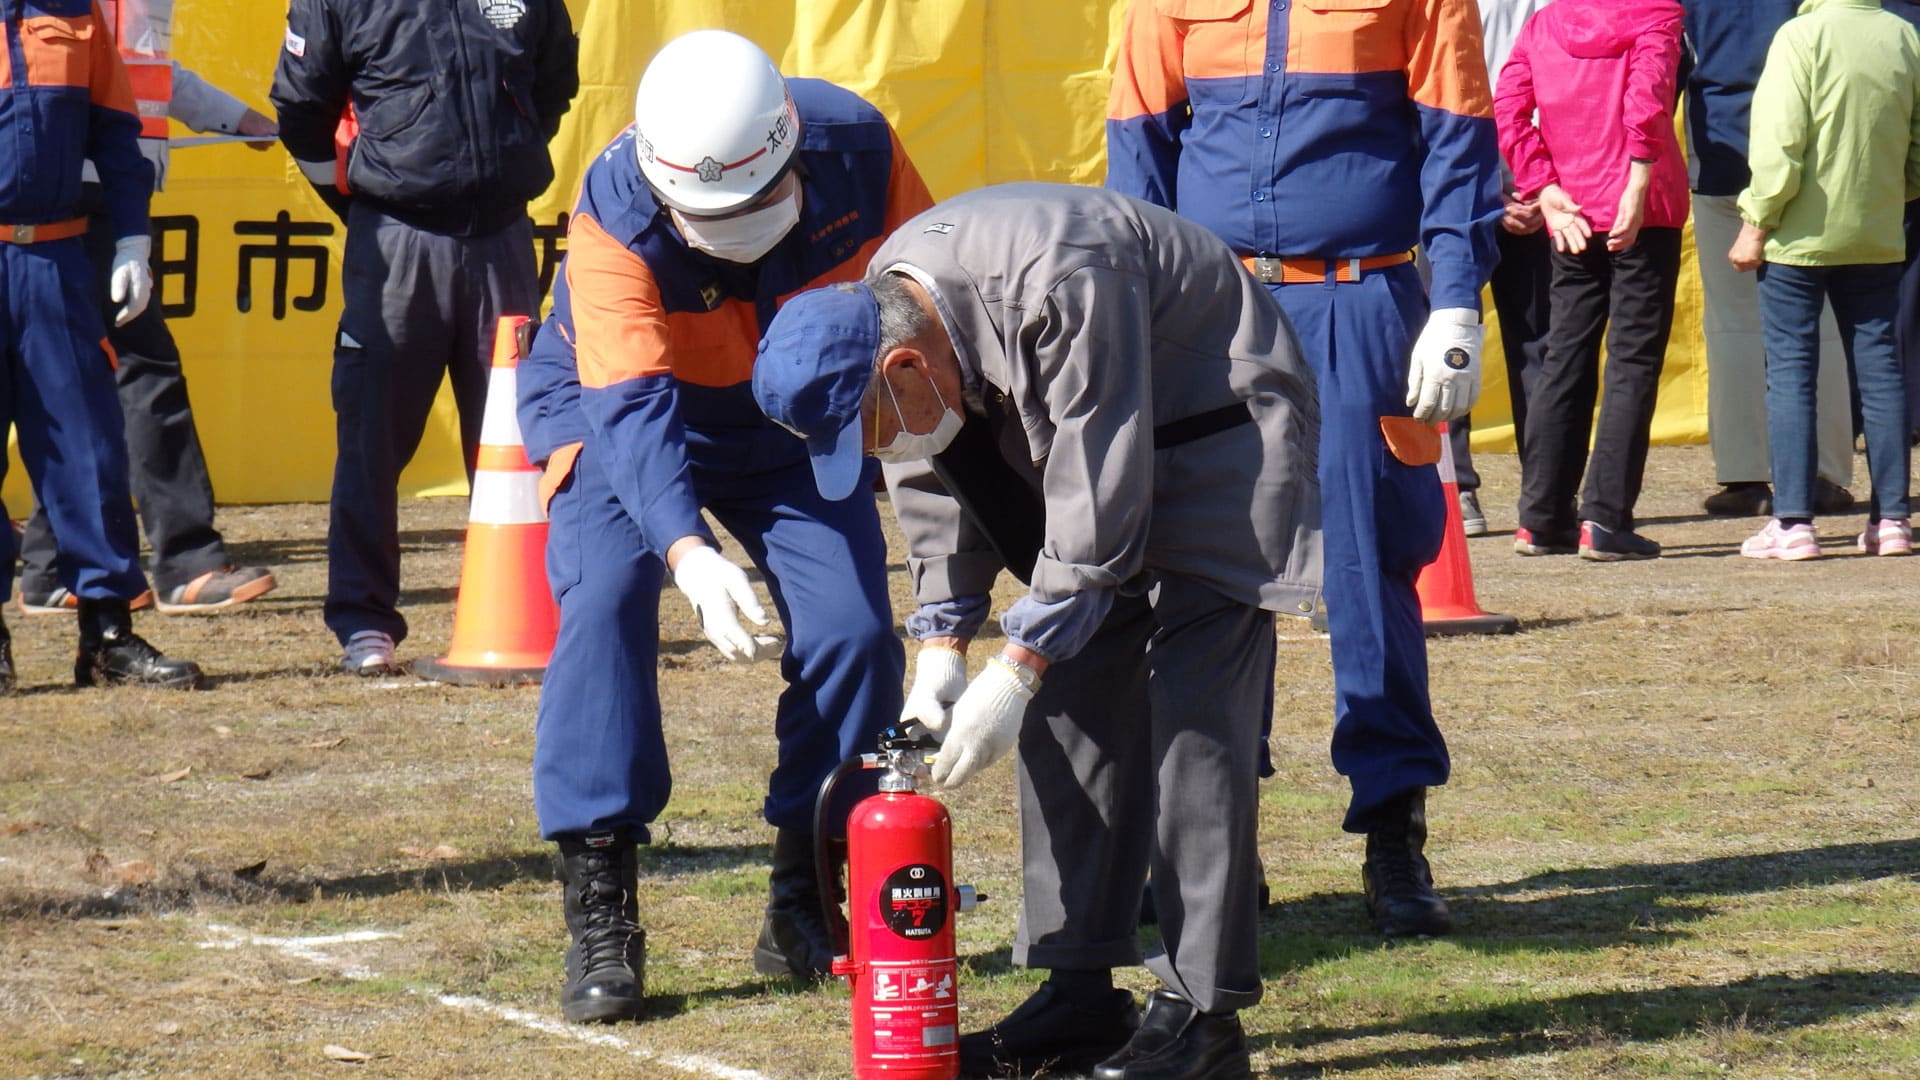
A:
[1348,41]
[907,193]
[1446,68]
[619,327]
[112,87]
[1146,72]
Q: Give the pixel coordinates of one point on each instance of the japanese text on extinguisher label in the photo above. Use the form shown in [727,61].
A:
[915,1009]
[914,901]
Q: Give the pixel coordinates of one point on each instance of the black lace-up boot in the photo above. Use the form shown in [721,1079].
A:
[1399,883]
[607,961]
[794,940]
[112,654]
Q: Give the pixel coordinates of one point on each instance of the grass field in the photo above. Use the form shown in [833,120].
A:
[1680,841]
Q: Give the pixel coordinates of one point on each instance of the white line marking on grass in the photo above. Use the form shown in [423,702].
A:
[310,950]
[302,948]
[693,1063]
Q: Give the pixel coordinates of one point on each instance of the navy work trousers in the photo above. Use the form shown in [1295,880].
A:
[56,391]
[599,758]
[418,306]
[167,469]
[1383,522]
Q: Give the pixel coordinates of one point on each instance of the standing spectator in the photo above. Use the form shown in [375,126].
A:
[191,568]
[1322,143]
[1520,278]
[1604,162]
[1120,414]
[1835,156]
[1728,40]
[68,101]
[455,104]
[637,399]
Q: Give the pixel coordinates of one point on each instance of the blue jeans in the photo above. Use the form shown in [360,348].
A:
[1865,300]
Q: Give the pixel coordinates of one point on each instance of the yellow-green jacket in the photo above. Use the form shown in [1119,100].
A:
[1835,149]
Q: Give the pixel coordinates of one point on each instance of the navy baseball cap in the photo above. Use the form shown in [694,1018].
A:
[813,370]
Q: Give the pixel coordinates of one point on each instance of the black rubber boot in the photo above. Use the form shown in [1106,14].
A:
[1399,883]
[6,659]
[607,960]
[112,654]
[793,939]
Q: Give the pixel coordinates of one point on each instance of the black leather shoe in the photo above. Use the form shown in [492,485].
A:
[112,654]
[794,940]
[607,959]
[1830,498]
[1049,1032]
[1179,1042]
[1398,881]
[1751,498]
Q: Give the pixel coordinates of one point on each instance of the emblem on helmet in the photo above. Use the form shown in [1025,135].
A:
[709,170]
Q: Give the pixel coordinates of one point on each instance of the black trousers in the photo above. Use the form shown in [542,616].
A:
[167,469]
[1521,299]
[1627,298]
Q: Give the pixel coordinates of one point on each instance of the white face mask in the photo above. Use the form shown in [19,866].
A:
[907,446]
[742,239]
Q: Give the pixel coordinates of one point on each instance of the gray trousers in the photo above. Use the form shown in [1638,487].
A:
[1737,362]
[1138,753]
[419,307]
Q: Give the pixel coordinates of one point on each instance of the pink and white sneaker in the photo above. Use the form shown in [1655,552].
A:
[1789,543]
[1888,536]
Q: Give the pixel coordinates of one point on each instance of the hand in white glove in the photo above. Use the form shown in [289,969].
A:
[986,724]
[130,282]
[1444,380]
[718,590]
[939,678]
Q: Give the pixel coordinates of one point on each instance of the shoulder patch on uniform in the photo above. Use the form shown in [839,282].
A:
[296,44]
[503,14]
[941,227]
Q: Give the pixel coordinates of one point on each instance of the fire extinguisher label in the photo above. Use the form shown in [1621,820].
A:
[914,901]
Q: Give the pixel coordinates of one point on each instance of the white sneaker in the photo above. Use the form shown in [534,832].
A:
[369,653]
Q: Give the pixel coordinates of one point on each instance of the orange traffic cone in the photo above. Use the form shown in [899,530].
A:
[505,620]
[1446,584]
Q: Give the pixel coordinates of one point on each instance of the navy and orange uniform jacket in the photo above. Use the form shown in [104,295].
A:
[64,99]
[1329,129]
[657,340]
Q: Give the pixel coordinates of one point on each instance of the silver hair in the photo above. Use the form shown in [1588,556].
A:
[902,320]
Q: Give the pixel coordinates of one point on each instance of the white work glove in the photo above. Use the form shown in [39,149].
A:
[986,724]
[130,283]
[1444,379]
[718,590]
[939,678]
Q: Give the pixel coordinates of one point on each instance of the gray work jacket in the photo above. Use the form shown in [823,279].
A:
[1137,404]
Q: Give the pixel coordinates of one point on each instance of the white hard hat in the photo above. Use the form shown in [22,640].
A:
[714,126]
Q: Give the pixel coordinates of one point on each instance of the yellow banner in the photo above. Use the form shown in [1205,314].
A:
[982,91]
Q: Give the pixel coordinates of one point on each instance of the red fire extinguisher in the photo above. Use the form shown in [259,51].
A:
[895,946]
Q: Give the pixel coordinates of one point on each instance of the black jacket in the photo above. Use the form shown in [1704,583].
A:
[456,100]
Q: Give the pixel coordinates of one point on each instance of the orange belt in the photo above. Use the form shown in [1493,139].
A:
[34,234]
[1270,270]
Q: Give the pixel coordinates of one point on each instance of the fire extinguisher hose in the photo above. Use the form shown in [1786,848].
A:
[825,865]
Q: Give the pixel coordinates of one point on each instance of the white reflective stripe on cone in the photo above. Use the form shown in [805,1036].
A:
[1445,464]
[500,424]
[506,498]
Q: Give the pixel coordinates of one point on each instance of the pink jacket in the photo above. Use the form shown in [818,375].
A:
[1601,73]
